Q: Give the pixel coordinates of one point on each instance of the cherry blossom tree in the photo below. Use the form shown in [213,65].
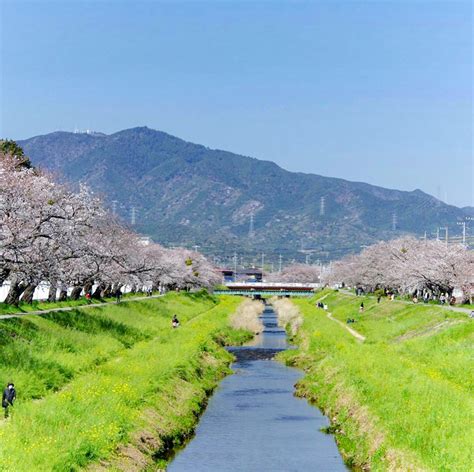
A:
[49,233]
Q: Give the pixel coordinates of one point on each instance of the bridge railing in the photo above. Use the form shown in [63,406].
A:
[272,293]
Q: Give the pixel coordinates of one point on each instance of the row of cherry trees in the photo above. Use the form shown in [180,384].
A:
[408,266]
[300,273]
[49,233]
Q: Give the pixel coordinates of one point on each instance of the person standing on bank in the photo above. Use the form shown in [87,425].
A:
[8,397]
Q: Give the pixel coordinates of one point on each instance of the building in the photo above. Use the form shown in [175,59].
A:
[244,275]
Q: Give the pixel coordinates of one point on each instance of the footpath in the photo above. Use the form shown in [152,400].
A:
[70,308]
[353,332]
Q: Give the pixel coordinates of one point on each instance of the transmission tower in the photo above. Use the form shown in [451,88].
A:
[322,206]
[251,228]
[133,216]
[394,221]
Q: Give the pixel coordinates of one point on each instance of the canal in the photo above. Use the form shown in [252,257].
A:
[254,422]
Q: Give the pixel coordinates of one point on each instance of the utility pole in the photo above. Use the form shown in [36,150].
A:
[463,223]
[394,221]
[280,258]
[437,234]
[133,216]
[195,247]
[263,260]
[235,266]
[445,229]
[307,258]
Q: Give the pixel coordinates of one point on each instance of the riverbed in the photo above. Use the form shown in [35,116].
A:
[255,423]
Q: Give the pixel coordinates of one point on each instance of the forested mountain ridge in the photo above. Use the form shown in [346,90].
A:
[184,193]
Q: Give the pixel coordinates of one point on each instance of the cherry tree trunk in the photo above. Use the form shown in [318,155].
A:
[53,287]
[88,287]
[14,294]
[98,292]
[108,291]
[28,293]
[76,292]
[62,295]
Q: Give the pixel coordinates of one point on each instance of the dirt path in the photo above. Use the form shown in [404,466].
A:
[353,332]
[69,308]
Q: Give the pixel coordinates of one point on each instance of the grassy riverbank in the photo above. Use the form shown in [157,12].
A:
[38,305]
[110,387]
[401,399]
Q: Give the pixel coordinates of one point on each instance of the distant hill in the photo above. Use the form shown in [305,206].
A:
[185,193]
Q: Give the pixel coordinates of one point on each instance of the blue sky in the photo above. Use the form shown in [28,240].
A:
[373,91]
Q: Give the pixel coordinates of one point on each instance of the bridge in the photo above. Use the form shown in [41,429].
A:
[268,289]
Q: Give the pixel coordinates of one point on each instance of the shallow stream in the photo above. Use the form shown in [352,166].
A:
[254,422]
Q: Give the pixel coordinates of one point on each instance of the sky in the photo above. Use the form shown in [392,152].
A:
[374,91]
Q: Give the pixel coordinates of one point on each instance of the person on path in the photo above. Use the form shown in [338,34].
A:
[361,308]
[379,298]
[88,297]
[175,321]
[8,397]
[118,295]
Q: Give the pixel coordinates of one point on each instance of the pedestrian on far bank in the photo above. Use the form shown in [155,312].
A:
[8,397]
[118,295]
[379,298]
[361,308]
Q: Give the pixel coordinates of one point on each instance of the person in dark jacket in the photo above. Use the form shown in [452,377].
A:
[175,322]
[8,397]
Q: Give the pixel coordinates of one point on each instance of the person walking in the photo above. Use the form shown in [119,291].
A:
[361,308]
[118,295]
[8,397]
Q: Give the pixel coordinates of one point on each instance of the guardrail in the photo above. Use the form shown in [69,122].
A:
[275,293]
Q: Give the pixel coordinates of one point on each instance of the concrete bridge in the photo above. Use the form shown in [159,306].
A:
[268,289]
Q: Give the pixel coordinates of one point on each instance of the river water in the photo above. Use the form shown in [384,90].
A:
[254,422]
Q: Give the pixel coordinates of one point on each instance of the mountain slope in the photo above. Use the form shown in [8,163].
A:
[185,193]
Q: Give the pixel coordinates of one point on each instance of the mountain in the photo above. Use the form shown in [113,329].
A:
[185,193]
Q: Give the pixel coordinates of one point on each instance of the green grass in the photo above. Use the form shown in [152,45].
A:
[37,305]
[403,398]
[88,380]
